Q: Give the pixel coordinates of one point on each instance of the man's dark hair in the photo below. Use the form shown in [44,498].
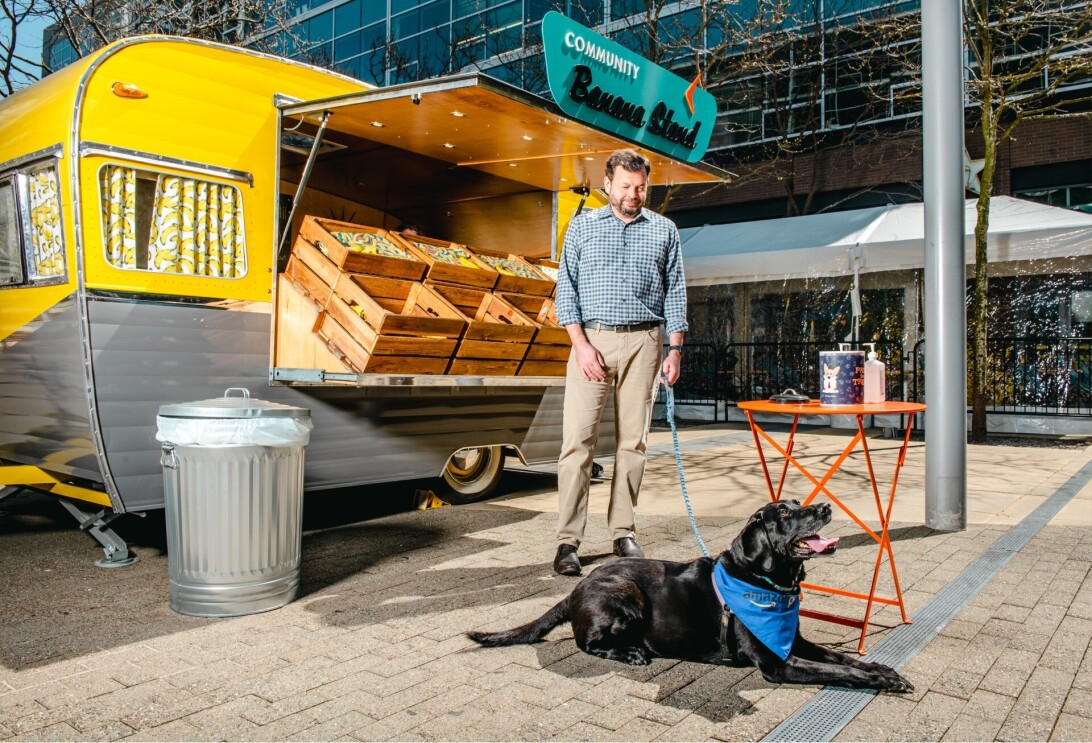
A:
[629,160]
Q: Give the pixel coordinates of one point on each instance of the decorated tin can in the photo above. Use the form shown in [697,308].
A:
[841,377]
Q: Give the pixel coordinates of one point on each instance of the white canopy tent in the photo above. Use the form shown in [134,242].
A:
[885,238]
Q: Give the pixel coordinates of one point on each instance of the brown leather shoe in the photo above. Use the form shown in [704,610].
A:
[627,547]
[566,562]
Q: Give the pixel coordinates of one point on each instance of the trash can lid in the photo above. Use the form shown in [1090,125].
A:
[233,407]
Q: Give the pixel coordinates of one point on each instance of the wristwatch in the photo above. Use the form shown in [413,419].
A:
[675,348]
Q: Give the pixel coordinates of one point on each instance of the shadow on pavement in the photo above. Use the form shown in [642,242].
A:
[713,692]
[898,534]
[58,605]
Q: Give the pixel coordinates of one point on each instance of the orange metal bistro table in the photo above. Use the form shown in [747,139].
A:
[883,511]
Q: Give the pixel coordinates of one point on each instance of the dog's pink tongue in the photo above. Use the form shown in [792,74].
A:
[818,543]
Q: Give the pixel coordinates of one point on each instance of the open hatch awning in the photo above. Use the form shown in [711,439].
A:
[476,122]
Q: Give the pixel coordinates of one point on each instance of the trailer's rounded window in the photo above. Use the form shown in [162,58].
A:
[31,244]
[171,223]
[11,264]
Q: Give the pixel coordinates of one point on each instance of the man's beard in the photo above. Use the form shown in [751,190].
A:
[622,208]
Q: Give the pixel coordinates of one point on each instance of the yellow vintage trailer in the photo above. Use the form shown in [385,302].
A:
[148,196]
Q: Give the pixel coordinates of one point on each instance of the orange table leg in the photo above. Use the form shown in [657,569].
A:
[885,535]
[883,539]
[788,453]
[755,431]
[820,485]
[761,457]
[891,501]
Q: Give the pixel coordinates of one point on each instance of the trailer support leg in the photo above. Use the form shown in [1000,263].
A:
[98,526]
[7,492]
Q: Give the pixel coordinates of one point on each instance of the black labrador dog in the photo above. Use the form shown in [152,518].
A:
[633,610]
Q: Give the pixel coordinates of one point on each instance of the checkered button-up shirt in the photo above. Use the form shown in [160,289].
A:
[619,273]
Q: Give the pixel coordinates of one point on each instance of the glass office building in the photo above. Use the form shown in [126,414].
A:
[818,69]
[391,41]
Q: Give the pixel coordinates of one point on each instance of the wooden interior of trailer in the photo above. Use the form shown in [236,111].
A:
[469,161]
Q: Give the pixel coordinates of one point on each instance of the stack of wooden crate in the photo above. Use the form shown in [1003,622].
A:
[382,302]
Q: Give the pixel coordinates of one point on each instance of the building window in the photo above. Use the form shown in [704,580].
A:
[347,17]
[171,224]
[348,46]
[1066,184]
[31,236]
[1077,197]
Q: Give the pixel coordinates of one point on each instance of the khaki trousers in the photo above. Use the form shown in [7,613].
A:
[633,365]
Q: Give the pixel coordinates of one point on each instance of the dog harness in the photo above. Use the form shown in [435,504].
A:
[770,616]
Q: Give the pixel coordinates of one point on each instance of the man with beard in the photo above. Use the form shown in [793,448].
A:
[621,276]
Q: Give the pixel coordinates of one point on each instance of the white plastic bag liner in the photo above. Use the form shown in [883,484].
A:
[234,421]
[234,431]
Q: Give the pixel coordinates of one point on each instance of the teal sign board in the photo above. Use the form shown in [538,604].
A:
[598,81]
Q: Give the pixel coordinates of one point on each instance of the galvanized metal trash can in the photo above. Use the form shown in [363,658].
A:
[233,492]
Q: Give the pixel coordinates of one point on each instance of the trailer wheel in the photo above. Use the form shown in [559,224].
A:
[471,474]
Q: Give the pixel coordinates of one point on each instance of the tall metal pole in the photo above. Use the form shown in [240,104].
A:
[945,304]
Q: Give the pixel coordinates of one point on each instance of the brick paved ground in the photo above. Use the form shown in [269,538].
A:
[374,648]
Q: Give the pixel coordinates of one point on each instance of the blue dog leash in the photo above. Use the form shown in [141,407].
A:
[774,617]
[670,397]
[726,612]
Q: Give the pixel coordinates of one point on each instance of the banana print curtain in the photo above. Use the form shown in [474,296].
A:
[118,189]
[47,250]
[196,228]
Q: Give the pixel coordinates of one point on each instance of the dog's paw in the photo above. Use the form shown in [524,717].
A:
[634,656]
[878,668]
[896,683]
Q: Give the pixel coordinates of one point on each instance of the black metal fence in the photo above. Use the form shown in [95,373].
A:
[1044,376]
[1040,376]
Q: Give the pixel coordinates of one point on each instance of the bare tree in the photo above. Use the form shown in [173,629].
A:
[86,25]
[15,68]
[796,78]
[1027,60]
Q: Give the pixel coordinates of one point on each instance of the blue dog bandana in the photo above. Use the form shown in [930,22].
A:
[770,616]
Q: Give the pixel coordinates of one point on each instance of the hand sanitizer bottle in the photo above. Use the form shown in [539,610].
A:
[875,388]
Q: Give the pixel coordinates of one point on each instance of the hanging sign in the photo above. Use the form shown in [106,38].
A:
[600,82]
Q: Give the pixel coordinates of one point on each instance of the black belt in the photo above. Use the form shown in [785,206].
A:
[632,328]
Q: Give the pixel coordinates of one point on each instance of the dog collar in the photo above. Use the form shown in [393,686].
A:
[771,617]
[794,590]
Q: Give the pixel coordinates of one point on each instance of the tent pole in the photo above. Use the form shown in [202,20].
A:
[855,297]
[945,307]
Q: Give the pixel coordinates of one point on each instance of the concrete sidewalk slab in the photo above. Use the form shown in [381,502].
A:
[374,648]
[1005,483]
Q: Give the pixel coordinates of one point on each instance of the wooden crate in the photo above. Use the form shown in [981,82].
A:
[317,261]
[548,353]
[312,271]
[389,326]
[497,335]
[548,268]
[449,263]
[295,345]
[541,310]
[361,249]
[515,274]
[536,368]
